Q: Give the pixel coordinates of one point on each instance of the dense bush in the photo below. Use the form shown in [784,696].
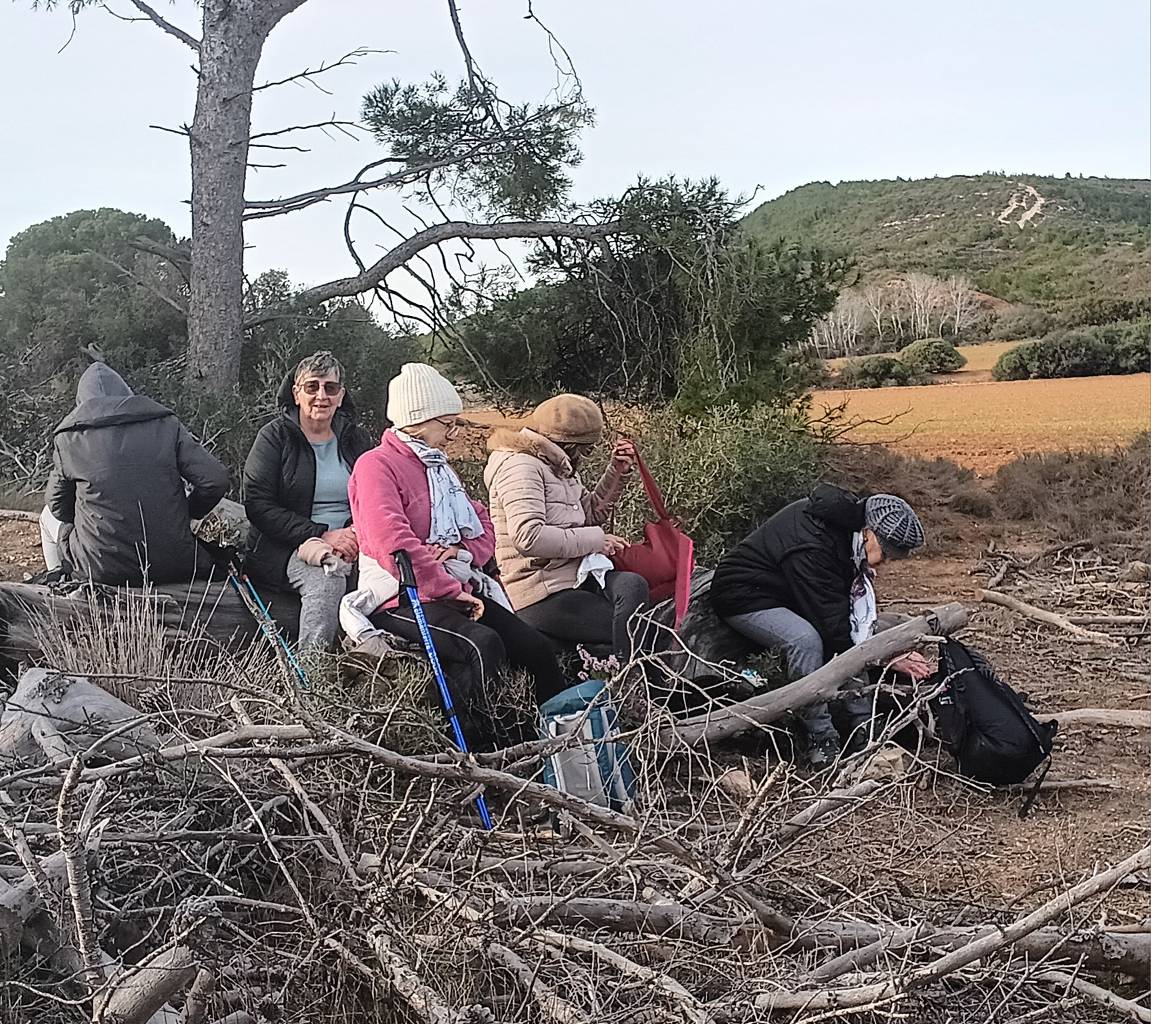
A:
[724,471]
[1020,322]
[933,355]
[1087,352]
[1103,498]
[875,372]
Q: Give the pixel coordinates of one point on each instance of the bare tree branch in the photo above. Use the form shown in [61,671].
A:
[308,74]
[142,283]
[410,247]
[186,38]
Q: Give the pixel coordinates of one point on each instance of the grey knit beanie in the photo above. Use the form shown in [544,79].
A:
[895,524]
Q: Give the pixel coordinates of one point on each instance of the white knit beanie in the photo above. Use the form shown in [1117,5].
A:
[421,393]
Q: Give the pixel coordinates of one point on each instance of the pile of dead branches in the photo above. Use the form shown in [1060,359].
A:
[187,836]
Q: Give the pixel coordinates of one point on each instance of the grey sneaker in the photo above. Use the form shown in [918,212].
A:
[823,752]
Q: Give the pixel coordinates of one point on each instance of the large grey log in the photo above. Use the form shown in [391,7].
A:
[53,715]
[211,606]
[821,685]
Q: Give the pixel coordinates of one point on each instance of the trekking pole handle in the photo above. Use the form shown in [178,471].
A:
[406,570]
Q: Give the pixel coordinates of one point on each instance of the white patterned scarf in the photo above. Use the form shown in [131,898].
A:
[863,607]
[453,515]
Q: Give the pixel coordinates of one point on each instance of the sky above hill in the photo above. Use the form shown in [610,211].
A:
[764,95]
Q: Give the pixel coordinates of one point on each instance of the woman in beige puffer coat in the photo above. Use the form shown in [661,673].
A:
[551,546]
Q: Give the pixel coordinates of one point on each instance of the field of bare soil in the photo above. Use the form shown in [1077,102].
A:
[985,424]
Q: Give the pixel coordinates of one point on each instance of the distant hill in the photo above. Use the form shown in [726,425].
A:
[1048,242]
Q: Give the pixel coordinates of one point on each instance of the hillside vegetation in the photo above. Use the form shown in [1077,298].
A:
[1056,243]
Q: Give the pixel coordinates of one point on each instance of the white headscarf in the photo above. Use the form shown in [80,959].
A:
[863,608]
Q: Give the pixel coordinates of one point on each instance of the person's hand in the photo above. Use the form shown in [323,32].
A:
[613,545]
[624,456]
[473,606]
[343,542]
[442,554]
[913,664]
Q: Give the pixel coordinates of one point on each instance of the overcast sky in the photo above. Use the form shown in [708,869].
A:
[763,94]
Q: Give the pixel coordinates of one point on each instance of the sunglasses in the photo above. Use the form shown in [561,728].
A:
[312,387]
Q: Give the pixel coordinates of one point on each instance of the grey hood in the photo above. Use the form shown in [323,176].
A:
[103,399]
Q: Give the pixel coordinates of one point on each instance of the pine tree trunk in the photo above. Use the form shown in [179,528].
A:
[229,52]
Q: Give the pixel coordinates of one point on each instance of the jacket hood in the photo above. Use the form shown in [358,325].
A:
[837,506]
[101,381]
[286,401]
[528,442]
[103,399]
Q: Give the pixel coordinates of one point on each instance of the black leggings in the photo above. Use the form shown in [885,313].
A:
[591,615]
[472,651]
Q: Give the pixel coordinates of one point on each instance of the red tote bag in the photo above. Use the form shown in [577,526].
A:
[665,557]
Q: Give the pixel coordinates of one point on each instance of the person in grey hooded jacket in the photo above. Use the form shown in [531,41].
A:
[116,508]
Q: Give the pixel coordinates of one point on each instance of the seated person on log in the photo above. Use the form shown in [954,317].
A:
[117,510]
[296,495]
[553,552]
[801,585]
[405,496]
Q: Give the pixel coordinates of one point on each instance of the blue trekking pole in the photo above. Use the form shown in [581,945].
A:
[408,583]
[255,604]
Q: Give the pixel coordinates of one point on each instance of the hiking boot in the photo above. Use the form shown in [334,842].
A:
[823,752]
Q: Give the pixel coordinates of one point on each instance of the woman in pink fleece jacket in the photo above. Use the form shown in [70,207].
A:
[405,496]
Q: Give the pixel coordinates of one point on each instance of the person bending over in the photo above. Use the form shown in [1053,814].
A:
[296,495]
[117,509]
[405,496]
[553,551]
[801,585]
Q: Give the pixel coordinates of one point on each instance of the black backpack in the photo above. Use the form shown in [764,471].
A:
[982,722]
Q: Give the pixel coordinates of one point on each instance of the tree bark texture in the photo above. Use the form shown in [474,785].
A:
[233,36]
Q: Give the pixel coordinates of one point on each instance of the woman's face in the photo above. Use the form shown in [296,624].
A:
[874,549]
[435,433]
[318,397]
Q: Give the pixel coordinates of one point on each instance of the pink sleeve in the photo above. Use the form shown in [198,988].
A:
[382,527]
[484,546]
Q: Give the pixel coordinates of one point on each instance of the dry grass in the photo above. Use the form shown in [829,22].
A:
[985,425]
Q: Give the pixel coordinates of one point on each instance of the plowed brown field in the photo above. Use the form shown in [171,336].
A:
[984,425]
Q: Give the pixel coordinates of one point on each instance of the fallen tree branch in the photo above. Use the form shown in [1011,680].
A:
[821,685]
[1134,1010]
[1103,716]
[1042,615]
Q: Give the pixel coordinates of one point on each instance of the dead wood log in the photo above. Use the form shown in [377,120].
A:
[723,723]
[1134,1010]
[20,901]
[629,917]
[1042,615]
[409,986]
[144,992]
[1101,950]
[1103,716]
[834,801]
[18,515]
[210,606]
[53,715]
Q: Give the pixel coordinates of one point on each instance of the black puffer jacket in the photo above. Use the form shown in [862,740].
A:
[280,482]
[800,559]
[119,464]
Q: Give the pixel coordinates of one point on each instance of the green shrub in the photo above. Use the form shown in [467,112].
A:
[875,372]
[1086,352]
[722,472]
[933,355]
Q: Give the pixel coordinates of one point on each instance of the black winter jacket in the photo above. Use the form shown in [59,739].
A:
[280,483]
[119,464]
[800,559]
